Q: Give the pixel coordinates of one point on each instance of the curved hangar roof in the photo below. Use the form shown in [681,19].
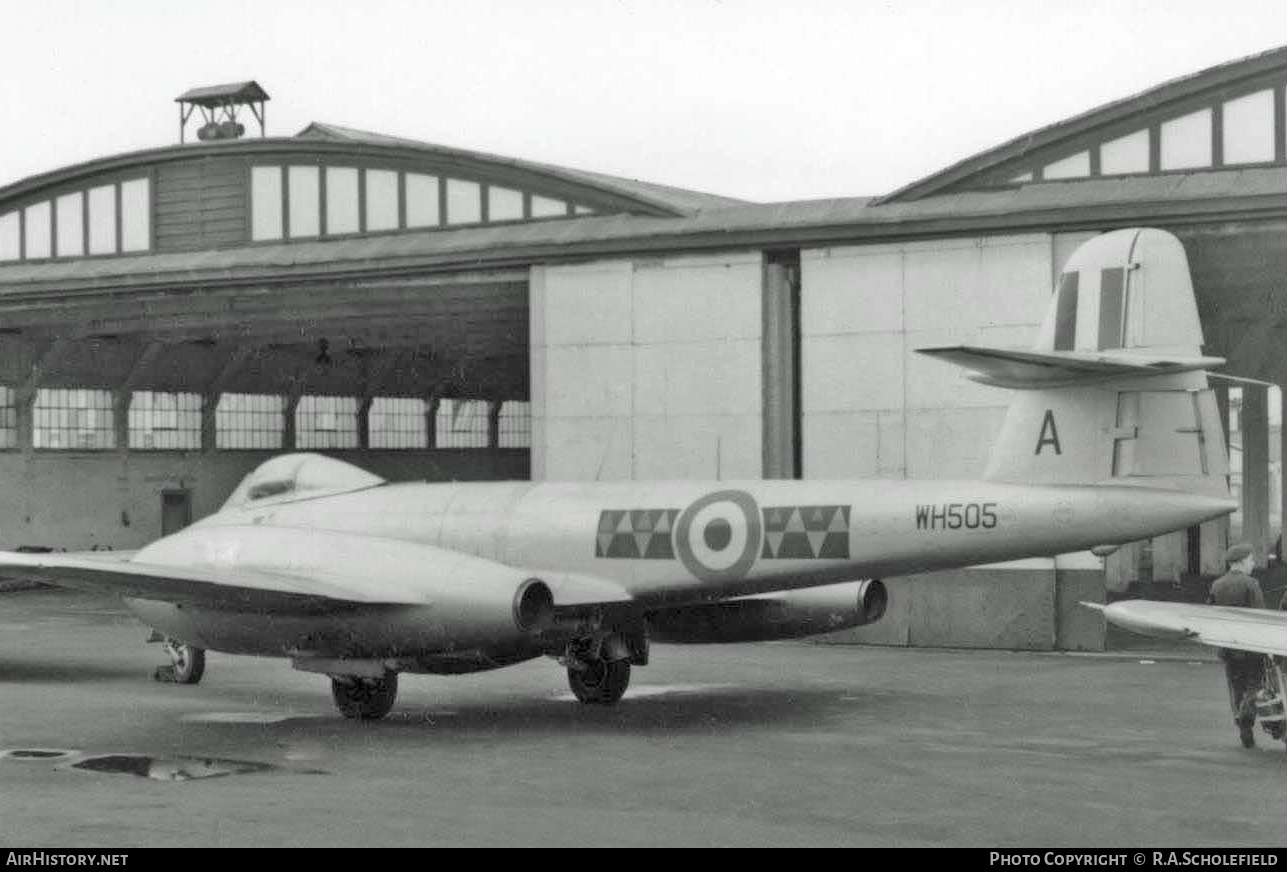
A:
[333,201]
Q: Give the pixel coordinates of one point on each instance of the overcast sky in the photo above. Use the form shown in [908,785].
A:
[753,99]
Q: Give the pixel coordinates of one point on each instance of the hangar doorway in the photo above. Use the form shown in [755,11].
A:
[176,511]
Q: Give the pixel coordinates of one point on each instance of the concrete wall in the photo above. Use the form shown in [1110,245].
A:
[647,369]
[113,499]
[871,406]
[1024,605]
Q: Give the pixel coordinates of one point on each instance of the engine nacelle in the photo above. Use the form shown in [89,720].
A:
[782,615]
[436,600]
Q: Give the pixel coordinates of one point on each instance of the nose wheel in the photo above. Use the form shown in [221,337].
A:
[364,699]
[187,663]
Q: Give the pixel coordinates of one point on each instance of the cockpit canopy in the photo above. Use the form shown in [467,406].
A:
[299,477]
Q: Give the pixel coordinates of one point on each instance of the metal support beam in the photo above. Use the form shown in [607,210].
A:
[1255,469]
[214,390]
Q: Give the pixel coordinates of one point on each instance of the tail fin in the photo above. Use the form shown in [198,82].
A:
[1113,391]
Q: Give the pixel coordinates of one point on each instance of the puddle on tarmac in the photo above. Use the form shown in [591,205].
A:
[37,754]
[168,768]
[176,768]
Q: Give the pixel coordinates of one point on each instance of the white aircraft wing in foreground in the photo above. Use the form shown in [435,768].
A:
[1219,626]
[1113,436]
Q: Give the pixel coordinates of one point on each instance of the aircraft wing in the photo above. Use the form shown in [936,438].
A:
[238,588]
[1017,369]
[1246,629]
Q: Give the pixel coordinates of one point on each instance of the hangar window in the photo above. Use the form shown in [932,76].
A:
[164,421]
[1074,167]
[341,200]
[1248,129]
[266,203]
[36,229]
[249,421]
[422,200]
[326,422]
[304,192]
[504,204]
[460,424]
[10,237]
[582,210]
[544,207]
[514,424]
[73,419]
[381,200]
[136,215]
[1186,141]
[464,202]
[69,220]
[102,220]
[8,419]
[397,422]
[1126,154]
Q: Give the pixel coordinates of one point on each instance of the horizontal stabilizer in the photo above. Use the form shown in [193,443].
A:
[1027,370]
[1246,629]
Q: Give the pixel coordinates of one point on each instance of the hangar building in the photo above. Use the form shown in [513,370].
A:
[171,317]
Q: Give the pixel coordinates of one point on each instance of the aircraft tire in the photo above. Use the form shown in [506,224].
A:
[365,699]
[187,663]
[600,682]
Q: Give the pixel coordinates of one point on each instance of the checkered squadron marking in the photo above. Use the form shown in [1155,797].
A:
[636,533]
[806,533]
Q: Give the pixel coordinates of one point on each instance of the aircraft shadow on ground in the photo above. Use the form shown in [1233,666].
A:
[42,672]
[705,711]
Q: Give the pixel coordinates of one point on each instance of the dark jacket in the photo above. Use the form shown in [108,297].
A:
[1236,589]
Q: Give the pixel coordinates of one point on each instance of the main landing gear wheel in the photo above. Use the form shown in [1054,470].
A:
[187,663]
[599,681]
[364,699]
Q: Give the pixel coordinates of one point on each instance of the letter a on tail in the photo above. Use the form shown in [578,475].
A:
[1049,435]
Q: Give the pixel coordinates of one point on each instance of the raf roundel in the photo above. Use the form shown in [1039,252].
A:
[718,537]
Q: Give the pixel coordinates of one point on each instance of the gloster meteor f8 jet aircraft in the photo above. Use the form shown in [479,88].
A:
[1113,436]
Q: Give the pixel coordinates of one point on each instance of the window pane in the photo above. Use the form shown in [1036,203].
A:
[70,218]
[461,424]
[165,421]
[1127,154]
[73,419]
[326,422]
[582,210]
[504,204]
[266,203]
[381,200]
[464,205]
[249,421]
[305,200]
[544,207]
[9,237]
[102,220]
[1249,129]
[1075,167]
[422,200]
[397,422]
[341,200]
[136,216]
[1186,141]
[8,418]
[35,220]
[514,424]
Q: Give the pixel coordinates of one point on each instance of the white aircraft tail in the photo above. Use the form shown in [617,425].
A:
[1114,389]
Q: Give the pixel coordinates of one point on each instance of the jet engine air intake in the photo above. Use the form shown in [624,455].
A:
[533,605]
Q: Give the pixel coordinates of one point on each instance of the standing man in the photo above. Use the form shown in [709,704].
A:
[1244,670]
